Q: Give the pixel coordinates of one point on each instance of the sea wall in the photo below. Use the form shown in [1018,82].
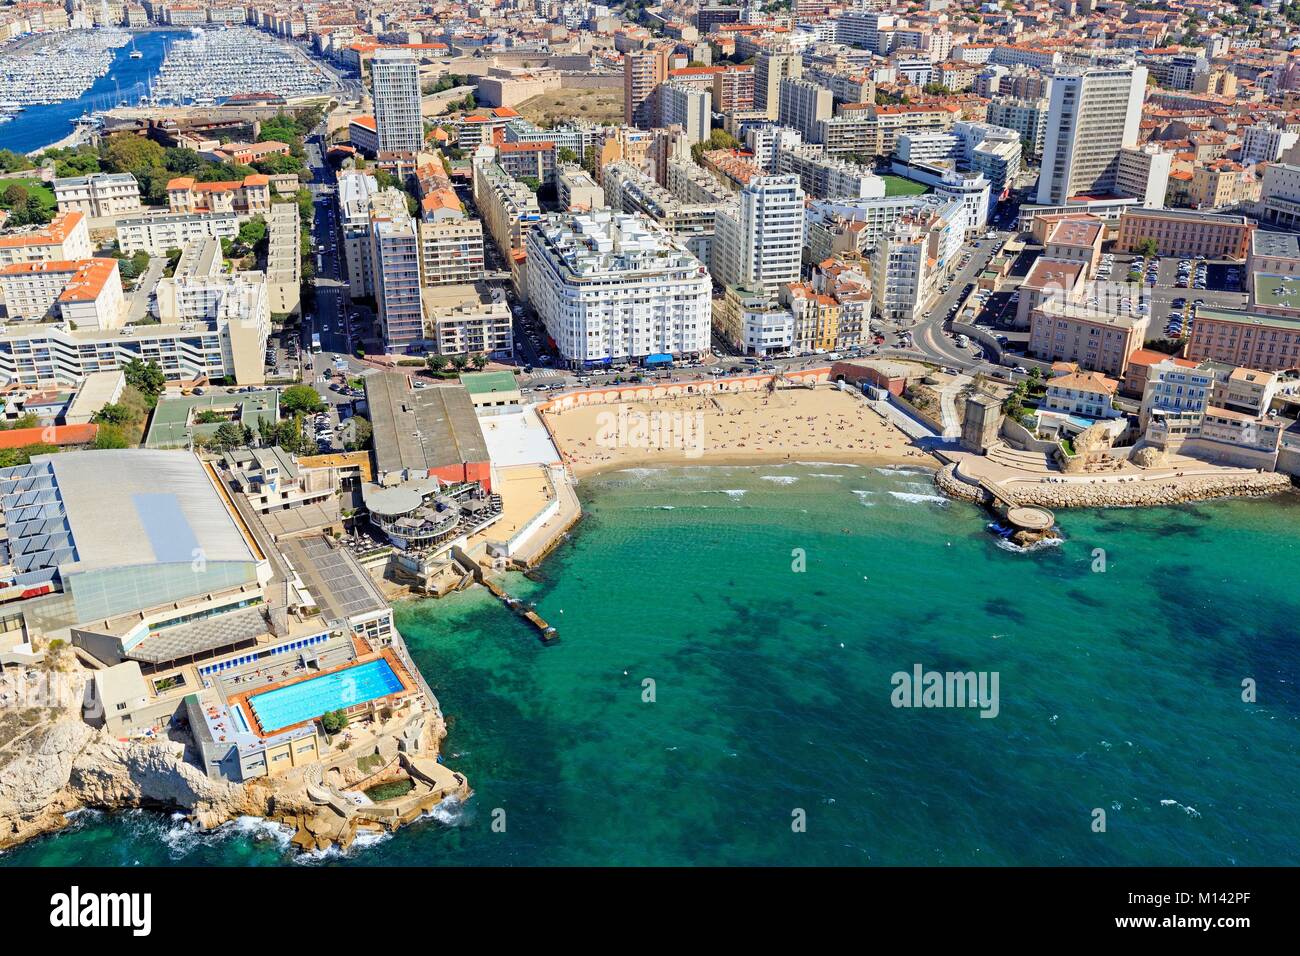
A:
[1138,493]
[654,391]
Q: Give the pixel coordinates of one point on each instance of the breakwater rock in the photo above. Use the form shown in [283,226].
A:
[1136,493]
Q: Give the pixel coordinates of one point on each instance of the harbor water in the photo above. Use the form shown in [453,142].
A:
[42,125]
[728,644]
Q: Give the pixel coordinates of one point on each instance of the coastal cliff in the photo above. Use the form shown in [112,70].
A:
[63,765]
[53,763]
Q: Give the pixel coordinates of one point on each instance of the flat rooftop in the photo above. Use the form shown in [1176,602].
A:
[421,429]
[171,427]
[484,383]
[1276,291]
[1284,244]
[341,587]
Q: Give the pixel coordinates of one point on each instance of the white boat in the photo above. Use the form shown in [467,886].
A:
[135,54]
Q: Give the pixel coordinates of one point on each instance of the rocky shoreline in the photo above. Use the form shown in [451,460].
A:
[1128,494]
[59,764]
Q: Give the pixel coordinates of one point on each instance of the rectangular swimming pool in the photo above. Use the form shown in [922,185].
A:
[307,700]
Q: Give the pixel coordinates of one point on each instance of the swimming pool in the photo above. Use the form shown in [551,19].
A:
[308,699]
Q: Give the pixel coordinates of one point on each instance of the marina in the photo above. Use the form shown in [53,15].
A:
[35,126]
[59,67]
[210,66]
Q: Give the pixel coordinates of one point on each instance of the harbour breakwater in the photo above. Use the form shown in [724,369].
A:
[1138,493]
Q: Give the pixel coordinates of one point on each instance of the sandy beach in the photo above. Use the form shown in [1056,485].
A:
[795,424]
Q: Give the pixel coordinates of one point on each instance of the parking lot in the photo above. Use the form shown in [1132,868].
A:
[283,352]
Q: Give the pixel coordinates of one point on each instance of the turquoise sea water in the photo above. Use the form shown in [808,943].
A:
[1118,690]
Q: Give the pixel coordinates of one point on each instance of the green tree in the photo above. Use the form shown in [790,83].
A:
[231,435]
[110,436]
[361,433]
[566,155]
[297,399]
[265,431]
[460,362]
[183,162]
[437,364]
[129,153]
[11,162]
[253,231]
[13,196]
[1147,248]
[146,378]
[112,415]
[332,721]
[480,361]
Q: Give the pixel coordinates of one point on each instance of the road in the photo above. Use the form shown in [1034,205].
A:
[144,289]
[331,315]
[928,334]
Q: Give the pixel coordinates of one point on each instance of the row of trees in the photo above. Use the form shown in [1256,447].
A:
[439,364]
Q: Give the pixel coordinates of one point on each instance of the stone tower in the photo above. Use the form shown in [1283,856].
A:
[981,422]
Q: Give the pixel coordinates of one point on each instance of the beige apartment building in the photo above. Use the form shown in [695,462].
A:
[1097,341]
[1049,279]
[1252,339]
[64,238]
[104,194]
[643,71]
[468,319]
[1183,232]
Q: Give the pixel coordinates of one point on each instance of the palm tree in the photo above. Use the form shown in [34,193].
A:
[459,362]
[480,361]
[436,363]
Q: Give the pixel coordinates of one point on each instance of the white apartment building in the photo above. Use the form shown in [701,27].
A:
[395,88]
[66,237]
[468,319]
[103,194]
[901,273]
[766,140]
[1279,195]
[628,190]
[758,238]
[688,106]
[354,191]
[1261,143]
[753,321]
[828,177]
[928,146]
[283,258]
[43,356]
[1093,113]
[1143,173]
[507,206]
[395,270]
[803,106]
[1026,117]
[451,251]
[159,232]
[613,287]
[868,29]
[84,292]
[1179,386]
